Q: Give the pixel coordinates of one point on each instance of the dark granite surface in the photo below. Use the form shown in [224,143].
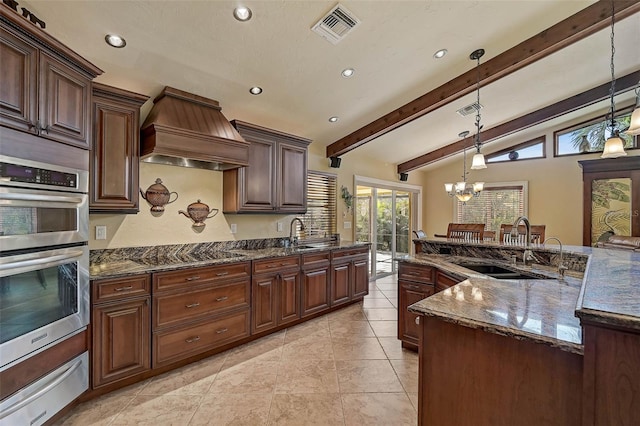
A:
[113,263]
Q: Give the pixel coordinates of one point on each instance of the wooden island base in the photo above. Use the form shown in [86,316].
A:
[472,377]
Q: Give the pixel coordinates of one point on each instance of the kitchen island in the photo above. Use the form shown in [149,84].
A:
[539,351]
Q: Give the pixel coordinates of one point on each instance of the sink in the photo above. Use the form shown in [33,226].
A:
[500,273]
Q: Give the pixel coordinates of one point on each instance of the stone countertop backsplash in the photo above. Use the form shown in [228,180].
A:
[113,263]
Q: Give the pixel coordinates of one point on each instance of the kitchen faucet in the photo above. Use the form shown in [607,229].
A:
[293,239]
[528,253]
[561,266]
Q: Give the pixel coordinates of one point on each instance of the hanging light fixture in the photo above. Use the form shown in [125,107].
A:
[462,190]
[478,159]
[634,125]
[614,145]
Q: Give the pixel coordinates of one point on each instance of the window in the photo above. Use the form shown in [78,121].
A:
[590,136]
[320,218]
[535,148]
[498,203]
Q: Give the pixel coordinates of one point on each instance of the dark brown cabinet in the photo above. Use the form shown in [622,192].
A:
[120,328]
[444,280]
[115,150]
[44,92]
[275,292]
[275,181]
[316,291]
[349,274]
[415,282]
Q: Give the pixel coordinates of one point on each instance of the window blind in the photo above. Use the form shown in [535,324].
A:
[494,206]
[320,219]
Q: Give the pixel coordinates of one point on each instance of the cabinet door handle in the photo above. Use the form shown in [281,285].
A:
[129,287]
[222,274]
[413,287]
[193,339]
[271,266]
[193,305]
[418,320]
[223,330]
[195,277]
[222,299]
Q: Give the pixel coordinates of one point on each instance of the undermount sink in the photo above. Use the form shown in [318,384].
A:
[499,272]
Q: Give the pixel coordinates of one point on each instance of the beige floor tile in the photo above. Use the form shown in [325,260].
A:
[414,400]
[393,301]
[374,293]
[317,409]
[352,348]
[384,328]
[318,327]
[248,377]
[407,371]
[268,348]
[350,329]
[352,313]
[367,376]
[378,409]
[232,410]
[154,410]
[100,411]
[310,347]
[394,350]
[384,287]
[193,379]
[377,303]
[381,314]
[307,376]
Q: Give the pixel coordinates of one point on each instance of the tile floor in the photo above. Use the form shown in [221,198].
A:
[345,368]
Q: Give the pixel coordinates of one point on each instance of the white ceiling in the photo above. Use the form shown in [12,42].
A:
[198,46]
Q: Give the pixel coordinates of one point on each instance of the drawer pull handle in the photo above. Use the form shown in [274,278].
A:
[271,266]
[413,287]
[222,274]
[193,339]
[223,330]
[129,287]
[196,277]
[193,305]
[222,299]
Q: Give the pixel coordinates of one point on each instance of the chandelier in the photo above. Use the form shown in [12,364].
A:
[462,190]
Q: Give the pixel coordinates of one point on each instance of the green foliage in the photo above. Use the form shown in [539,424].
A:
[604,191]
[596,134]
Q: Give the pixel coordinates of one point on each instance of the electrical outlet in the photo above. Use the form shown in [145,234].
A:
[234,228]
[347,225]
[101,232]
[279,226]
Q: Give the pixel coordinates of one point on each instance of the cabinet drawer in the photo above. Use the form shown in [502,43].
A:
[276,264]
[314,260]
[174,345]
[164,281]
[118,288]
[171,309]
[418,273]
[349,253]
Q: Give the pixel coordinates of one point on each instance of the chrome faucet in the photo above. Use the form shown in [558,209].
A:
[527,256]
[294,239]
[561,266]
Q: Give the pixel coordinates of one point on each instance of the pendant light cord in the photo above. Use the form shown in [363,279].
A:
[612,90]
[478,144]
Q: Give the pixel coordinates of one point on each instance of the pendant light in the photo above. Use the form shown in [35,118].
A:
[634,125]
[478,159]
[462,190]
[614,146]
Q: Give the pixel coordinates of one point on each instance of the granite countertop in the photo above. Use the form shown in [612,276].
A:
[120,267]
[608,293]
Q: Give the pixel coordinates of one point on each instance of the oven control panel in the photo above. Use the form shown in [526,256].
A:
[30,174]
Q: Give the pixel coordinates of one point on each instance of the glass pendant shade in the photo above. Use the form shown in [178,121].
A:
[464,197]
[478,162]
[613,147]
[478,186]
[448,187]
[634,125]
[460,186]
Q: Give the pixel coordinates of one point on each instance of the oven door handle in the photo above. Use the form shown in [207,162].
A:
[42,259]
[18,196]
[39,393]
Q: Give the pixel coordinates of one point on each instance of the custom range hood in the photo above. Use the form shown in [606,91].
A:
[188,130]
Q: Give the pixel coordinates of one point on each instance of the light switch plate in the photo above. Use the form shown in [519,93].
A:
[101,232]
[347,225]
[279,226]
[234,228]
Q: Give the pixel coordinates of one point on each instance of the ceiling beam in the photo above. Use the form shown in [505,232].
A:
[550,112]
[574,28]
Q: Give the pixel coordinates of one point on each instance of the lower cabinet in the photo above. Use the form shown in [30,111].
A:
[444,281]
[120,329]
[316,290]
[349,274]
[415,282]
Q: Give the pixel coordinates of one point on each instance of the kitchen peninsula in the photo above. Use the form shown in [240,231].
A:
[530,351]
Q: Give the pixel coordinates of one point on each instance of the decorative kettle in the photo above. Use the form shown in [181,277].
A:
[198,212]
[158,196]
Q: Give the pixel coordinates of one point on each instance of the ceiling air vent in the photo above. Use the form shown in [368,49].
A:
[469,109]
[336,24]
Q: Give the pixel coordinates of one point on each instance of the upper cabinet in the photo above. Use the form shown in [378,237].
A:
[275,180]
[115,150]
[45,89]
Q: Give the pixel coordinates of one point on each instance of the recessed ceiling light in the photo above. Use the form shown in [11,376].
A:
[440,53]
[115,40]
[242,13]
[333,119]
[255,90]
[348,72]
